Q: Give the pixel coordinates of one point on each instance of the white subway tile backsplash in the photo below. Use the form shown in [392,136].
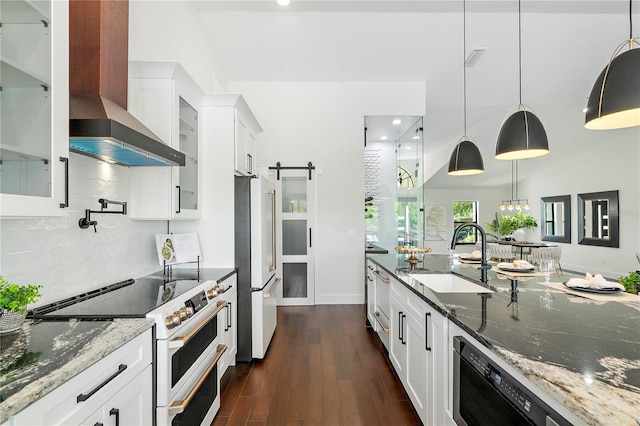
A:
[68,260]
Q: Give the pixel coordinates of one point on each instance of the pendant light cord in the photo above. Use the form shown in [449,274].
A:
[630,22]
[464,65]
[520,51]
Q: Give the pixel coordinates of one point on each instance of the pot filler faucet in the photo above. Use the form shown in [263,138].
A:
[484,266]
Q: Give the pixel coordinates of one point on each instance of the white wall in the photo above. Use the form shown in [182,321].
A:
[68,260]
[171,31]
[488,200]
[323,123]
[594,161]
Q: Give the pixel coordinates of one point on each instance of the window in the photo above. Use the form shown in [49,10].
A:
[465,211]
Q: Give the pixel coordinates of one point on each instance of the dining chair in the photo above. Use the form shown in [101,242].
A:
[553,252]
[500,252]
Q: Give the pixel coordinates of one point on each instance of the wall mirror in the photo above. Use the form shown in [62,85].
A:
[598,219]
[556,219]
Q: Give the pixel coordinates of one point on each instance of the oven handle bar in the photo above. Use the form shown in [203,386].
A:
[272,289]
[181,341]
[383,279]
[178,407]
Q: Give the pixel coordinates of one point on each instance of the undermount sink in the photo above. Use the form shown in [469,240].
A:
[449,283]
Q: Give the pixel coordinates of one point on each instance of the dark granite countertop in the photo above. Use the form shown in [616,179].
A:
[373,249]
[582,352]
[45,354]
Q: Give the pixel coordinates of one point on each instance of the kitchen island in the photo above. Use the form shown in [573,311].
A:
[583,353]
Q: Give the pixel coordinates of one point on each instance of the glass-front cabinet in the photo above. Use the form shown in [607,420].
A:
[166,100]
[33,108]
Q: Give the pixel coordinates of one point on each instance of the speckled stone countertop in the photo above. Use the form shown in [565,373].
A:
[45,354]
[583,353]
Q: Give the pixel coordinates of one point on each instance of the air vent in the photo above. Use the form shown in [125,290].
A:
[474,56]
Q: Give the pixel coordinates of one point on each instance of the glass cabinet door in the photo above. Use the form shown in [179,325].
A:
[34,108]
[25,98]
[188,144]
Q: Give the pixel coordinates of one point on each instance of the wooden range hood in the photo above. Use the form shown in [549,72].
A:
[99,124]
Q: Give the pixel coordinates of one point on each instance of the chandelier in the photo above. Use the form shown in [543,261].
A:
[514,203]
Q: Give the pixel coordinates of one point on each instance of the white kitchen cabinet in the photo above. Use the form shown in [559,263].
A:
[245,144]
[166,100]
[397,343]
[34,108]
[230,338]
[235,125]
[419,352]
[120,381]
[371,294]
[129,407]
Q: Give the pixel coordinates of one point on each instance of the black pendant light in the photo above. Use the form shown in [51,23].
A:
[465,158]
[522,134]
[614,102]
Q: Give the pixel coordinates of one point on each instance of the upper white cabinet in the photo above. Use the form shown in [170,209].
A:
[246,130]
[34,108]
[166,100]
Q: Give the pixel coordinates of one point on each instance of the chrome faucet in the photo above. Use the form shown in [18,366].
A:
[484,266]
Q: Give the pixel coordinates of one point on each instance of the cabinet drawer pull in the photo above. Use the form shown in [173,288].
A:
[400,326]
[115,412]
[383,279]
[66,182]
[181,341]
[83,397]
[179,201]
[426,331]
[404,342]
[178,407]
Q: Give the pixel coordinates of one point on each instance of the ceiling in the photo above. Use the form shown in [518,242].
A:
[565,45]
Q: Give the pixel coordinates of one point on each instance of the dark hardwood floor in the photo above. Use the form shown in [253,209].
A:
[323,367]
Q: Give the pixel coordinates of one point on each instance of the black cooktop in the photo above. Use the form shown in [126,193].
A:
[126,299]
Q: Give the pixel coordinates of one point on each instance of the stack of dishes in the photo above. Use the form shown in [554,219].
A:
[516,266]
[593,284]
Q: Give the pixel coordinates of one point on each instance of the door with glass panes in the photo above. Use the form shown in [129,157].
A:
[296,228]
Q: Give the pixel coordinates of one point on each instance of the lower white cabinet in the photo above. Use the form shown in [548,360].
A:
[418,352]
[371,294]
[128,407]
[230,337]
[117,390]
[397,344]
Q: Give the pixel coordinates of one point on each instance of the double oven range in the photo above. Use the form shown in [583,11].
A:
[188,335]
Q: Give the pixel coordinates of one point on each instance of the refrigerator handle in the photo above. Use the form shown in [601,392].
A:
[272,267]
[310,244]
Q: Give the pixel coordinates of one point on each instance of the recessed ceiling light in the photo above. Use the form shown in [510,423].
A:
[396,121]
[384,138]
[283,2]
[416,137]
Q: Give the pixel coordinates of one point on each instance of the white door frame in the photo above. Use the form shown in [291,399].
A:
[309,258]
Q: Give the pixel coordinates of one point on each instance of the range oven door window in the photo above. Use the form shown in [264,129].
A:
[480,404]
[186,356]
[201,403]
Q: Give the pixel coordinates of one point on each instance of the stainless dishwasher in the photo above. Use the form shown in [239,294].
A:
[484,394]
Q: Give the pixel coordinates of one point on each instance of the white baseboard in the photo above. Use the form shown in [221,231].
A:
[340,299]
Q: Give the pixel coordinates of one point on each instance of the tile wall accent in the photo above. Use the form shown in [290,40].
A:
[68,260]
